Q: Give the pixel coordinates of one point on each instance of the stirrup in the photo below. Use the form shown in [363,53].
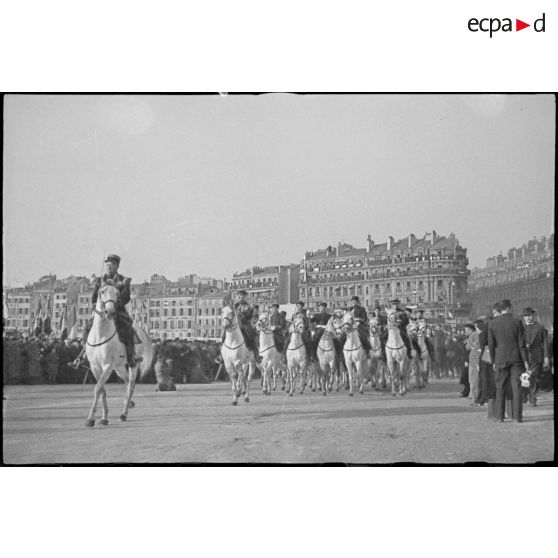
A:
[75,364]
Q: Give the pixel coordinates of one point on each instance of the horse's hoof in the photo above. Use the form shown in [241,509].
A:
[122,418]
[90,422]
[243,393]
[246,399]
[234,403]
[324,393]
[314,390]
[275,389]
[290,394]
[103,422]
[282,388]
[131,405]
[394,395]
[268,392]
[350,394]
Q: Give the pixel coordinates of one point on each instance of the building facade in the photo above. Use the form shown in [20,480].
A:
[267,285]
[429,272]
[525,276]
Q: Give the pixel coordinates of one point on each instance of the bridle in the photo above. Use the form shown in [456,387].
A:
[231,326]
[103,304]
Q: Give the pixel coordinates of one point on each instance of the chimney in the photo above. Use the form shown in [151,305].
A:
[390,243]
[434,238]
[338,249]
[369,243]
[412,239]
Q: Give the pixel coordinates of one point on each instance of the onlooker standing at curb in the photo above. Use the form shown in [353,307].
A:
[506,342]
[472,346]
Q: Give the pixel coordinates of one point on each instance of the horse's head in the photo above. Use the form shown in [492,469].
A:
[412,329]
[106,300]
[391,312]
[373,325]
[297,325]
[228,318]
[263,321]
[421,327]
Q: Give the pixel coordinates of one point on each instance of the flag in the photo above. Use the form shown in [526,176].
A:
[47,320]
[38,326]
[63,326]
[450,314]
[72,323]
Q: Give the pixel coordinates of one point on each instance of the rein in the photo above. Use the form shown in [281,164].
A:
[102,342]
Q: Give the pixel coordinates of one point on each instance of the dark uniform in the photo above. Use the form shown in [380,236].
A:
[321,320]
[361,317]
[245,314]
[278,325]
[123,321]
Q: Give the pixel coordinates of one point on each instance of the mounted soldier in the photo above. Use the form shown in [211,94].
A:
[322,318]
[278,325]
[361,318]
[300,312]
[122,320]
[402,321]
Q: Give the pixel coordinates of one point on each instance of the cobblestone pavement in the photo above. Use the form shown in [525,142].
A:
[197,423]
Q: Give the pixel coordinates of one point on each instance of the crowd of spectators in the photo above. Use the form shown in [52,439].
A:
[44,359]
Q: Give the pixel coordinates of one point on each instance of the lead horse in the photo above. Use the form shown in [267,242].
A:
[297,359]
[396,354]
[237,358]
[355,355]
[106,353]
[377,361]
[327,355]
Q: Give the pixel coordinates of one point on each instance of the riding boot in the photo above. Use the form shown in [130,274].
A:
[78,362]
[130,355]
[407,342]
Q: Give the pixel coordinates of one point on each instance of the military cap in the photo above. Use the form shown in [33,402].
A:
[528,311]
[324,304]
[113,258]
[394,300]
[275,305]
[300,303]
[355,298]
[242,292]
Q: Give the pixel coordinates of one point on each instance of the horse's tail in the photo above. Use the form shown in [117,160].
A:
[147,354]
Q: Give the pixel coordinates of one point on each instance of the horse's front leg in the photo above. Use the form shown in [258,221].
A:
[351,374]
[130,385]
[99,386]
[392,368]
[248,374]
[234,385]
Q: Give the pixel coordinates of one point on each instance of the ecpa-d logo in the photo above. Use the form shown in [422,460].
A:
[493,25]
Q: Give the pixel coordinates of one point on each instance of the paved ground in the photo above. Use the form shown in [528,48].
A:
[197,423]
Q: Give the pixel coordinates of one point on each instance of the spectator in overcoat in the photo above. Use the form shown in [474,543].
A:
[506,343]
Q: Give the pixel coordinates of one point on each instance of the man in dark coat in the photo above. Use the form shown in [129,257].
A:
[508,353]
[322,318]
[361,318]
[536,342]
[245,315]
[306,337]
[278,326]
[123,321]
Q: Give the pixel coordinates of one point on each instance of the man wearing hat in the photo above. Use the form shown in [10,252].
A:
[536,342]
[123,322]
[300,312]
[402,321]
[361,318]
[245,313]
[278,326]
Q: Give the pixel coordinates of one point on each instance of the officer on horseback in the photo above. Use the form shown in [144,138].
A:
[123,321]
[402,321]
[278,326]
[361,318]
[245,314]
[306,337]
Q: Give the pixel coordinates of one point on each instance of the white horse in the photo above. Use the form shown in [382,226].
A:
[326,355]
[237,358]
[297,359]
[396,354]
[106,353]
[355,355]
[377,362]
[271,357]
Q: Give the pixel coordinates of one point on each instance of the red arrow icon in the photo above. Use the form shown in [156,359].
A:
[519,25]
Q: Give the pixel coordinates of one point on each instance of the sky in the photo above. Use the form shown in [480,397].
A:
[215,184]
